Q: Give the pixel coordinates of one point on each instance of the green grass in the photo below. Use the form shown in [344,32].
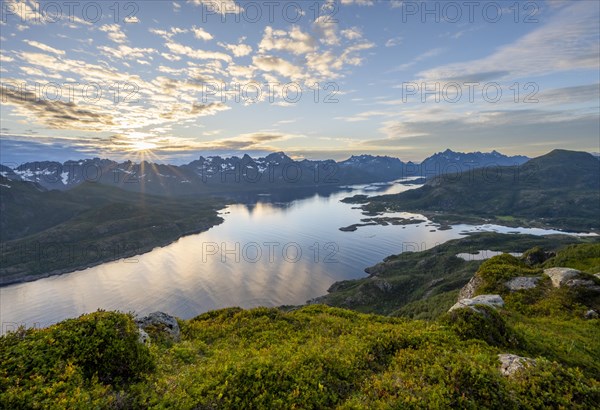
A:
[315,357]
[424,284]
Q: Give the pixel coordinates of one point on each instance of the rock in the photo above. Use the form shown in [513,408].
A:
[160,322]
[588,284]
[468,291]
[511,363]
[560,276]
[494,301]
[382,285]
[522,282]
[591,314]
[537,256]
[597,275]
[143,337]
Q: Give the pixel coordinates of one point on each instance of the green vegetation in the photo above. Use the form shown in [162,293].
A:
[78,363]
[318,357]
[89,225]
[423,285]
[558,190]
[582,257]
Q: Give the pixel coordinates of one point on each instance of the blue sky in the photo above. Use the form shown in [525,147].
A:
[178,79]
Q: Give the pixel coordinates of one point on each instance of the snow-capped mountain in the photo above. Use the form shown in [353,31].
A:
[218,174]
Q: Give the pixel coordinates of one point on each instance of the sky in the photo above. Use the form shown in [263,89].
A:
[316,79]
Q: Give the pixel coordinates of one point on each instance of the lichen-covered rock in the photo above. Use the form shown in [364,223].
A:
[591,314]
[536,256]
[160,322]
[588,284]
[469,290]
[494,301]
[143,338]
[522,282]
[560,276]
[511,363]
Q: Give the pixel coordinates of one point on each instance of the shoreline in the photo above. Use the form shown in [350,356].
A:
[125,255]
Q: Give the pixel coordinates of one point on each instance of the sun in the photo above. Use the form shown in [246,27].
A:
[142,146]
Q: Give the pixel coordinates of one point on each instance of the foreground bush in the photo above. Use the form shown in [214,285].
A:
[76,364]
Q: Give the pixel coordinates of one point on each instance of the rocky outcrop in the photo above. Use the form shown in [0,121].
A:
[511,363]
[494,301]
[591,314]
[537,256]
[161,323]
[522,282]
[382,285]
[143,337]
[572,278]
[588,284]
[560,276]
[469,290]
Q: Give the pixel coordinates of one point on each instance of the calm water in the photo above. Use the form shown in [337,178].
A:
[274,250]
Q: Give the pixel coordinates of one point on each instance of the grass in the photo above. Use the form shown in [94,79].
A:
[321,357]
[425,284]
[315,357]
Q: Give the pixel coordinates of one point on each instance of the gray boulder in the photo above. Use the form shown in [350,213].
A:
[469,290]
[560,276]
[591,314]
[143,337]
[522,282]
[160,322]
[511,363]
[494,301]
[588,284]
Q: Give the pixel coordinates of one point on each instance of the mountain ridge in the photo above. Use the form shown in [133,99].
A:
[221,174]
[559,190]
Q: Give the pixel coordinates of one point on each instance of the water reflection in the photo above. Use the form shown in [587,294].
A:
[281,248]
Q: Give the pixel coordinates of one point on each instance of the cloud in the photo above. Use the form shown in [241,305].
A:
[514,129]
[114,33]
[278,65]
[123,52]
[201,34]
[394,41]
[567,41]
[254,140]
[295,41]
[352,33]
[326,29]
[238,50]
[56,114]
[220,6]
[357,2]
[44,47]
[197,54]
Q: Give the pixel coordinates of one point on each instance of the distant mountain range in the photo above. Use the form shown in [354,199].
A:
[558,190]
[217,174]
